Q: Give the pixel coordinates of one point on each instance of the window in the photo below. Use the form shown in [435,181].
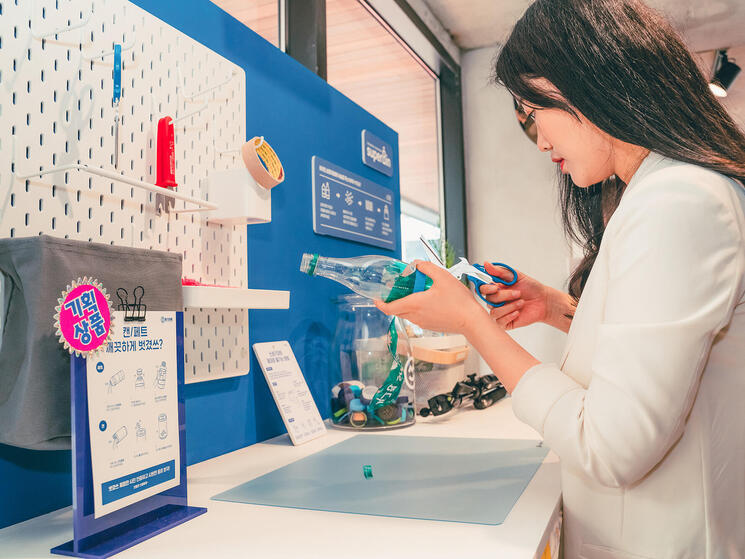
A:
[370,66]
[261,16]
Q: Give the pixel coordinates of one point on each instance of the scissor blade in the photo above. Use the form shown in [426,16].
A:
[431,252]
[464,267]
[486,278]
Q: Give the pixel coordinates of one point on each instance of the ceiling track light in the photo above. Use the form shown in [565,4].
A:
[725,72]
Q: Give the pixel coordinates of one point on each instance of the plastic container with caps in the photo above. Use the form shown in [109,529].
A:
[372,387]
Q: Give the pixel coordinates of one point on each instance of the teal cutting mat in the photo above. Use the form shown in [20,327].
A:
[476,481]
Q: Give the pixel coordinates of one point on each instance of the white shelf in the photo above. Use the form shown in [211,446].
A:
[234,298]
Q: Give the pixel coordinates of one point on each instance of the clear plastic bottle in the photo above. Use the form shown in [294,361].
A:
[374,277]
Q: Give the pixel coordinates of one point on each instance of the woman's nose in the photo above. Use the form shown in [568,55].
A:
[542,143]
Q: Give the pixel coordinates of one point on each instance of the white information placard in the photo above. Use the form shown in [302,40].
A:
[133,412]
[290,391]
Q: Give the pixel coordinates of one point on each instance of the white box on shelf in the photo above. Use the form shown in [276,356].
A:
[240,200]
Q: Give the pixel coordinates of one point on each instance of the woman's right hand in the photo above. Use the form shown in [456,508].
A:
[526,301]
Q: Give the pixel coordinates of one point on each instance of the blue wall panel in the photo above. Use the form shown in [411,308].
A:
[33,483]
[301,116]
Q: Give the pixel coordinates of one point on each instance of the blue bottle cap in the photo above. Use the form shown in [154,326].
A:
[356,405]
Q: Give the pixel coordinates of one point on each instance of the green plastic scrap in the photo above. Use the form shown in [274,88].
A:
[367,470]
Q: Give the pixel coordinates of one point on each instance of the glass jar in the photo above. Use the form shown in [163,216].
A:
[372,387]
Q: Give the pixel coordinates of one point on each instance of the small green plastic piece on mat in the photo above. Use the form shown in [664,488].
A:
[367,470]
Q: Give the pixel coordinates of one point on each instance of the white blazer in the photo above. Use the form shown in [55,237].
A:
[647,408]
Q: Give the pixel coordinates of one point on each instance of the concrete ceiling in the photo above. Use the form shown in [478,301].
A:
[705,24]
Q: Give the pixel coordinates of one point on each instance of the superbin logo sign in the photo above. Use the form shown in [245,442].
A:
[376,153]
[379,155]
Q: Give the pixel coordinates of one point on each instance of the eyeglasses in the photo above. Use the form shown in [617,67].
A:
[526,120]
[529,123]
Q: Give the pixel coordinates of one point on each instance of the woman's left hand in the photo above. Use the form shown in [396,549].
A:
[447,306]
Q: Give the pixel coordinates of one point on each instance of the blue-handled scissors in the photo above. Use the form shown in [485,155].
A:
[474,272]
[478,281]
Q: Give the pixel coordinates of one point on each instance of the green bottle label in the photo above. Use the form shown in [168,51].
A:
[388,392]
[313,263]
[402,285]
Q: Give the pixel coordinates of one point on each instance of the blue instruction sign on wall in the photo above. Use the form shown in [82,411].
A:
[377,153]
[351,207]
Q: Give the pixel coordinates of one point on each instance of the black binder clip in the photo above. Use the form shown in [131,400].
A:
[135,311]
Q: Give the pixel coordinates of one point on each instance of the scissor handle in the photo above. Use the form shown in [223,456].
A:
[495,279]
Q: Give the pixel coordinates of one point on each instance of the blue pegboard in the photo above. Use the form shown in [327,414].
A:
[302,116]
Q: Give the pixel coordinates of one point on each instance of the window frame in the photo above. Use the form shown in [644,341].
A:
[303,36]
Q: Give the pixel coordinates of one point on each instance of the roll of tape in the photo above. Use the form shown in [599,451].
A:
[263,163]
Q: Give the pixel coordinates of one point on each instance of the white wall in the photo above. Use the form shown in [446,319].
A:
[511,195]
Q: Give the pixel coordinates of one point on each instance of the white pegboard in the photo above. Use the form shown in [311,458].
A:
[55,109]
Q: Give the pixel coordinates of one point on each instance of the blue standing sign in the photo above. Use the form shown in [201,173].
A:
[377,153]
[98,537]
[351,207]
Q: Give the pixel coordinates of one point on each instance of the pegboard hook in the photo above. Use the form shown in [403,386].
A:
[103,54]
[192,113]
[216,151]
[203,91]
[58,31]
[225,151]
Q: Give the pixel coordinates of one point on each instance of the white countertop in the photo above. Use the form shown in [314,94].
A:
[237,530]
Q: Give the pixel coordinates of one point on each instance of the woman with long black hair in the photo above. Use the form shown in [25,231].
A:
[646,407]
